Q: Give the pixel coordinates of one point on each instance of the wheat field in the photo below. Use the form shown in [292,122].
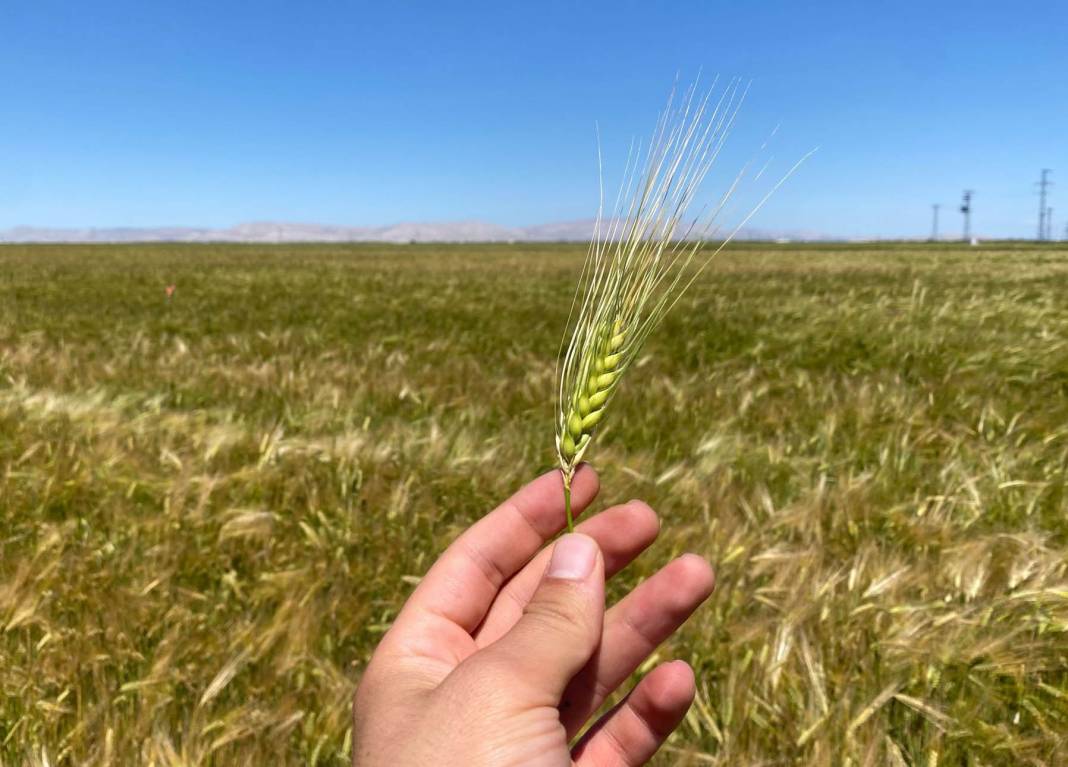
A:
[213,504]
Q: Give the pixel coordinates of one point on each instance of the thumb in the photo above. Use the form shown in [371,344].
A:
[561,625]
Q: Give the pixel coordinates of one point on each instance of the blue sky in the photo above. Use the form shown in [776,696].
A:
[214,113]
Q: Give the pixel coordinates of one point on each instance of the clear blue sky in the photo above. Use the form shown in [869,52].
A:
[213,113]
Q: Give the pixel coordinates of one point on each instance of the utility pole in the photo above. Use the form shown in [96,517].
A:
[934,224]
[966,209]
[1043,184]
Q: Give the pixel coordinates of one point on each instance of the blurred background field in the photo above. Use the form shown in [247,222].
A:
[212,505]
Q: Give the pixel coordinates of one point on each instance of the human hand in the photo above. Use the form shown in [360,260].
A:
[503,652]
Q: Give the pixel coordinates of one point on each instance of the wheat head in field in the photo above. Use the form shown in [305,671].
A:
[641,261]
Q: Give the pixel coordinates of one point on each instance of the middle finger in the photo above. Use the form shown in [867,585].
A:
[622,532]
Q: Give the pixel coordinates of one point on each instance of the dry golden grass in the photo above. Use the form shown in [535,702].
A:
[211,508]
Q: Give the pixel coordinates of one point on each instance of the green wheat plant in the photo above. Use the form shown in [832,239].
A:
[642,259]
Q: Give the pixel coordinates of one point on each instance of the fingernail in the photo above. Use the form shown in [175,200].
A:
[573,558]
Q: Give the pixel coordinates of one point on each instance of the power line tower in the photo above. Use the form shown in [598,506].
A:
[934,223]
[1043,184]
[1049,223]
[966,209]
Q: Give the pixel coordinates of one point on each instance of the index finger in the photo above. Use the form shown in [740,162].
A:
[462,584]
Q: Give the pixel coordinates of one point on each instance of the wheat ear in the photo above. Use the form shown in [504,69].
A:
[639,261]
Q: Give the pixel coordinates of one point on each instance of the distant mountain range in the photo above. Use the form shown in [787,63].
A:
[270,231]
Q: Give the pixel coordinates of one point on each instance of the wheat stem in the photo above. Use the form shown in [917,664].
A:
[567,474]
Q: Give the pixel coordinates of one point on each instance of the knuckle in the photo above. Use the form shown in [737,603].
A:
[361,697]
[560,611]
[367,690]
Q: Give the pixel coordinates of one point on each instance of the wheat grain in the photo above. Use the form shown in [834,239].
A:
[639,261]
